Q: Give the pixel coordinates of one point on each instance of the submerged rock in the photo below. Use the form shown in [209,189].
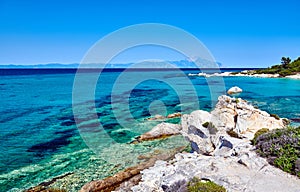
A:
[174,115]
[161,117]
[234,90]
[156,118]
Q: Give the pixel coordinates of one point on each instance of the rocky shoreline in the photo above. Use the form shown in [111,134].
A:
[222,153]
[244,74]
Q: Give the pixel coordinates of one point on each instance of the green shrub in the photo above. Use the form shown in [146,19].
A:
[205,124]
[285,73]
[281,147]
[196,185]
[287,155]
[286,121]
[258,133]
[188,148]
[211,128]
[275,116]
[232,133]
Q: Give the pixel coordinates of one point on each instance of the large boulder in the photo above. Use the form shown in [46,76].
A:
[234,90]
[160,131]
[194,131]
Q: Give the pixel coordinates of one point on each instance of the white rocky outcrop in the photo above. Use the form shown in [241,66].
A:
[229,159]
[234,90]
[241,117]
[296,76]
[159,131]
[243,171]
[241,74]
[211,133]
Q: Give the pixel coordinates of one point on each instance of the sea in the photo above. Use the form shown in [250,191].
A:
[68,127]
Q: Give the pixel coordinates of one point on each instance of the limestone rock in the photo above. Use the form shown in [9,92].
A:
[242,118]
[161,117]
[206,130]
[234,90]
[174,115]
[156,118]
[160,131]
[243,171]
[193,131]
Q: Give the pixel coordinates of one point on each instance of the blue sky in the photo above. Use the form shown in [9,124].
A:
[238,33]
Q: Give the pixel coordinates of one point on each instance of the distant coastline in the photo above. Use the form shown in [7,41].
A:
[142,64]
[33,71]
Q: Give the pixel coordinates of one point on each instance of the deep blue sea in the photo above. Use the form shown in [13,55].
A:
[41,139]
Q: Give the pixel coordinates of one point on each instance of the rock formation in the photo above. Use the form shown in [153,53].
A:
[160,131]
[234,90]
[162,118]
[231,120]
[223,152]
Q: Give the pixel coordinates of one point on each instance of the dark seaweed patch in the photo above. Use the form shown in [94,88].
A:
[13,114]
[67,123]
[67,132]
[51,146]
[110,125]
[64,118]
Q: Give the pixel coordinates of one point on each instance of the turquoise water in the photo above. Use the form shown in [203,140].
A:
[40,139]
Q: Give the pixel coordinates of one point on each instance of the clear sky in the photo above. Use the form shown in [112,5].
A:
[238,33]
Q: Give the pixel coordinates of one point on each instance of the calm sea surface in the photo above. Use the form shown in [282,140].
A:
[39,138]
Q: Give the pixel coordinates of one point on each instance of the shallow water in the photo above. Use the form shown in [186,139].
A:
[40,139]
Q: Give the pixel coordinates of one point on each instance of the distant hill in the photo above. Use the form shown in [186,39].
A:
[39,66]
[144,64]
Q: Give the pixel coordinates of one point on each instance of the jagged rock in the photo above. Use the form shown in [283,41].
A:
[234,90]
[193,131]
[243,171]
[231,117]
[239,116]
[196,118]
[160,131]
